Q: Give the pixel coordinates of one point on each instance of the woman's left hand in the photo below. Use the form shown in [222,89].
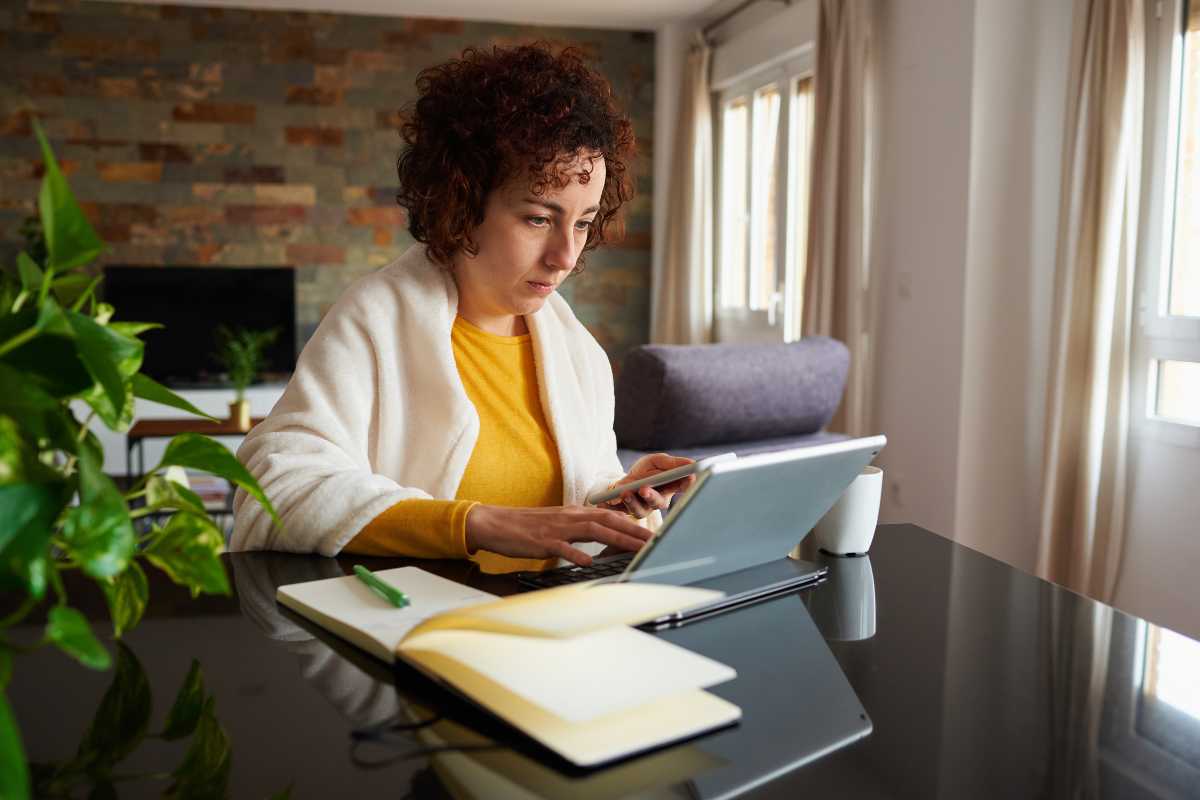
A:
[641,502]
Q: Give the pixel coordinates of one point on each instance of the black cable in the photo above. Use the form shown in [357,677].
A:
[375,731]
[391,733]
[407,755]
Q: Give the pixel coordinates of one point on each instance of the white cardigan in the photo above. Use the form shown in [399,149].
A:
[376,413]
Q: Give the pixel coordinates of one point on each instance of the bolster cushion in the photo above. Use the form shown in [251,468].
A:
[672,396]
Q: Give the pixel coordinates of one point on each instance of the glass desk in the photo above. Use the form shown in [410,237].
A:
[980,681]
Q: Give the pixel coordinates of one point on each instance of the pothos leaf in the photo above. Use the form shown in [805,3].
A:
[121,720]
[200,452]
[70,238]
[111,359]
[98,532]
[188,549]
[149,389]
[189,702]
[127,594]
[28,511]
[70,630]
[204,772]
[31,274]
[163,493]
[14,773]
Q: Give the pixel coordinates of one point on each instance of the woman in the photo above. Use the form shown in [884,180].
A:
[450,405]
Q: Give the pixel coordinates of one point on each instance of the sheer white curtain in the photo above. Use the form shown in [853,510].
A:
[1086,442]
[682,309]
[839,299]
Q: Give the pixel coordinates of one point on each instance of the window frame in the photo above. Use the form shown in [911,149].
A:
[1128,740]
[734,323]
[1158,336]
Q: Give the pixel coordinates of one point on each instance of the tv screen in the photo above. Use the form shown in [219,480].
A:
[191,302]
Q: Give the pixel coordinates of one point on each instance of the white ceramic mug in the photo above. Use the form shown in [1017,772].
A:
[848,528]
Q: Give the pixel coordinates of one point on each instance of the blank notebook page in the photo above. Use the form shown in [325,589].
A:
[348,608]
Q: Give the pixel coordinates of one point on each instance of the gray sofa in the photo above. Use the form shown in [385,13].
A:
[701,400]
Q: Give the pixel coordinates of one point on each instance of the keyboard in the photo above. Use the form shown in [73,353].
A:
[559,576]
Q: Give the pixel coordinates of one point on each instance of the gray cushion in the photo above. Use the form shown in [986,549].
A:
[673,396]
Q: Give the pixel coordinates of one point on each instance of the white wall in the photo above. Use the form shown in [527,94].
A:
[1018,102]
[920,247]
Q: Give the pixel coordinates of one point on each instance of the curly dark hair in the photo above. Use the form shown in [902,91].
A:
[483,118]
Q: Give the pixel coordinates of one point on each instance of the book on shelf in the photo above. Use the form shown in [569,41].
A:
[561,665]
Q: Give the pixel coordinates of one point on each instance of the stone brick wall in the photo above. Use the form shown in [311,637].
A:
[268,138]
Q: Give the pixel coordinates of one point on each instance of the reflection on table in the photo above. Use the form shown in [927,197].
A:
[397,715]
[845,609]
[981,681]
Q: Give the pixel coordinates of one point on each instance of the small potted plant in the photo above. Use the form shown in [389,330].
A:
[240,352]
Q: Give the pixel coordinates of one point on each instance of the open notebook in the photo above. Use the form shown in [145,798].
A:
[561,665]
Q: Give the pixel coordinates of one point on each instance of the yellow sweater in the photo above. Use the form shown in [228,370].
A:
[514,463]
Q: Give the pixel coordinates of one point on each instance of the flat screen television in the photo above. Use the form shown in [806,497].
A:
[191,302]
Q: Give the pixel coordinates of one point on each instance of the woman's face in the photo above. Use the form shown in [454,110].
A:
[527,245]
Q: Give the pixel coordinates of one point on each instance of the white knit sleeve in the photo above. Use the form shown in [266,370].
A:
[313,454]
[607,466]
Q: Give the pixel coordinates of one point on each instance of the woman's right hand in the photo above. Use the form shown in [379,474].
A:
[547,532]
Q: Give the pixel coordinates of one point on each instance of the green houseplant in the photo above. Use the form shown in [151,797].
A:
[59,346]
[240,352]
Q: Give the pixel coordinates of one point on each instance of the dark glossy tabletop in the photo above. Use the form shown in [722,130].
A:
[980,681]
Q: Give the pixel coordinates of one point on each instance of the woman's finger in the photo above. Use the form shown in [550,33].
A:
[653,464]
[665,461]
[634,505]
[561,549]
[653,499]
[621,523]
[608,536]
[681,485]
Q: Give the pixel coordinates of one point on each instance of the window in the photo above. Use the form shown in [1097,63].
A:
[1182,287]
[1167,366]
[1177,391]
[1172,667]
[1150,731]
[735,213]
[764,205]
[1167,714]
[764,137]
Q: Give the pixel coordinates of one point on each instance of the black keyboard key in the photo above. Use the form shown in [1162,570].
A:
[561,576]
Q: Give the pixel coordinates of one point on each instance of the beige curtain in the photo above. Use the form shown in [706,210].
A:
[839,300]
[1076,636]
[682,310]
[1086,436]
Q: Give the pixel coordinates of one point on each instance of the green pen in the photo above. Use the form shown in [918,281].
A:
[384,590]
